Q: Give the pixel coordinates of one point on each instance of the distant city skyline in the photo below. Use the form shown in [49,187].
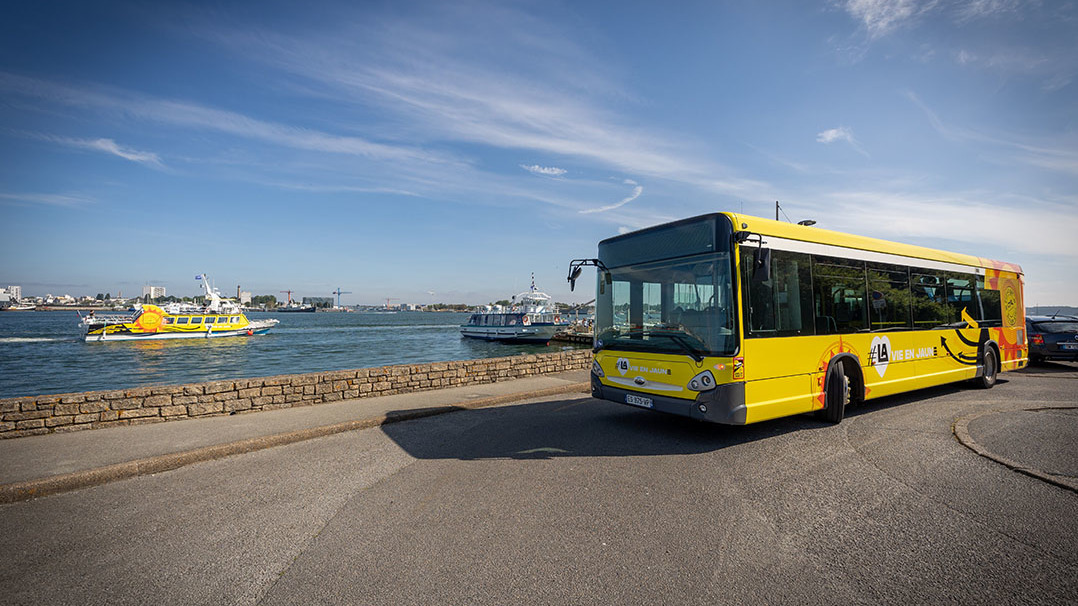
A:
[443,152]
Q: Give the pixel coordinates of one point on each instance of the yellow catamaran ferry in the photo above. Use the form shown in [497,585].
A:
[219,318]
[736,319]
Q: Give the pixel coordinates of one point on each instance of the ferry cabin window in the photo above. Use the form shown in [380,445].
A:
[182,320]
[196,320]
[166,320]
[782,306]
[210,320]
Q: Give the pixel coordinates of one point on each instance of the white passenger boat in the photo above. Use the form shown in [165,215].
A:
[219,318]
[530,318]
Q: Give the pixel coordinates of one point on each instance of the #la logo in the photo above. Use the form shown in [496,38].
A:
[880,354]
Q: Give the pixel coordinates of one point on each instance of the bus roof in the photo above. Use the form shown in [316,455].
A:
[791,231]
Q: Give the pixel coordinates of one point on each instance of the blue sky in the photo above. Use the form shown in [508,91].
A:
[444,151]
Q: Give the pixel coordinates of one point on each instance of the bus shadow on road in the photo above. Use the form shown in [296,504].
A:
[576,427]
[587,427]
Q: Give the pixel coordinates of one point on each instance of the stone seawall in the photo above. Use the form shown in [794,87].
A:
[33,415]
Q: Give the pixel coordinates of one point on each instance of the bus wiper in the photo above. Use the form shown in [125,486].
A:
[693,352]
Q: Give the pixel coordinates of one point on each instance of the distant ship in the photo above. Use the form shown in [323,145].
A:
[295,307]
[219,318]
[531,318]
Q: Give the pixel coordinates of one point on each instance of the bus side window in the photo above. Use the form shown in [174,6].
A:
[930,308]
[889,297]
[991,305]
[781,306]
[839,295]
[960,296]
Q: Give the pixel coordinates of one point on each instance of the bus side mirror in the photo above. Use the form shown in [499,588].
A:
[761,265]
[573,275]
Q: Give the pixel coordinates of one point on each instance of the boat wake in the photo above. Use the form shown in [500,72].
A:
[31,339]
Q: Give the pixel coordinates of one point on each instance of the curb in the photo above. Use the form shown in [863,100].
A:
[32,489]
[960,428]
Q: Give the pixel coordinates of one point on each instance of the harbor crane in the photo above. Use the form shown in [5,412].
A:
[340,292]
[289,295]
[390,299]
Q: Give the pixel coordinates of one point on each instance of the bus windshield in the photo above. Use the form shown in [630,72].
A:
[680,306]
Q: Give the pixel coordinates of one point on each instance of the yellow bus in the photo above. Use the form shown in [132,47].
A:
[735,319]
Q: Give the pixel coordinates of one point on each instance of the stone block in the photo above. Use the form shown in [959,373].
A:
[175,410]
[204,408]
[92,407]
[126,404]
[218,387]
[183,400]
[238,405]
[250,392]
[73,399]
[224,396]
[192,390]
[63,420]
[21,433]
[9,406]
[87,418]
[158,400]
[138,392]
[109,415]
[29,424]
[275,390]
[139,413]
[166,390]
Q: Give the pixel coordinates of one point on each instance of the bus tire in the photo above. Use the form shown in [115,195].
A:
[988,375]
[836,395]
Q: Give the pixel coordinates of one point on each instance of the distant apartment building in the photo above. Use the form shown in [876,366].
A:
[154,292]
[245,297]
[15,292]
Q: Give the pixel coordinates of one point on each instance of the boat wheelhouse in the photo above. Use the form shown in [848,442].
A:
[219,318]
[530,318]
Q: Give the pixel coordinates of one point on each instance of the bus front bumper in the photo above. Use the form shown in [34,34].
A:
[724,404]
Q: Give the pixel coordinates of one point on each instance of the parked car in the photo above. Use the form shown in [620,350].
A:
[1052,337]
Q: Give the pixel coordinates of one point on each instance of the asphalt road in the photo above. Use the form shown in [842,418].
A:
[571,500]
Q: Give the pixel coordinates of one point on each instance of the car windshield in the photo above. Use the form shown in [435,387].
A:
[1056,326]
[682,306]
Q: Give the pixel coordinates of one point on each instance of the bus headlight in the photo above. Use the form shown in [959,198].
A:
[596,369]
[704,381]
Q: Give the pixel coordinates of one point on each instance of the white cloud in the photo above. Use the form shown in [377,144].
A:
[881,17]
[636,194]
[110,147]
[549,171]
[841,133]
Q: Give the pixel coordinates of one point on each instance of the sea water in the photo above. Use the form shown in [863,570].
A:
[43,352]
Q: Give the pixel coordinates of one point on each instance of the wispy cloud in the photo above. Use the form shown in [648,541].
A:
[193,115]
[548,171]
[636,194]
[881,17]
[1058,158]
[109,146]
[64,200]
[841,133]
[448,88]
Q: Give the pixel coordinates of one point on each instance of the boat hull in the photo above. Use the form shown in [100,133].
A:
[152,336]
[511,334]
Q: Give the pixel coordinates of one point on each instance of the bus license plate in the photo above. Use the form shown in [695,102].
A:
[638,401]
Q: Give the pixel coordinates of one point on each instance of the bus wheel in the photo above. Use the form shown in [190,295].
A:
[988,376]
[836,395]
